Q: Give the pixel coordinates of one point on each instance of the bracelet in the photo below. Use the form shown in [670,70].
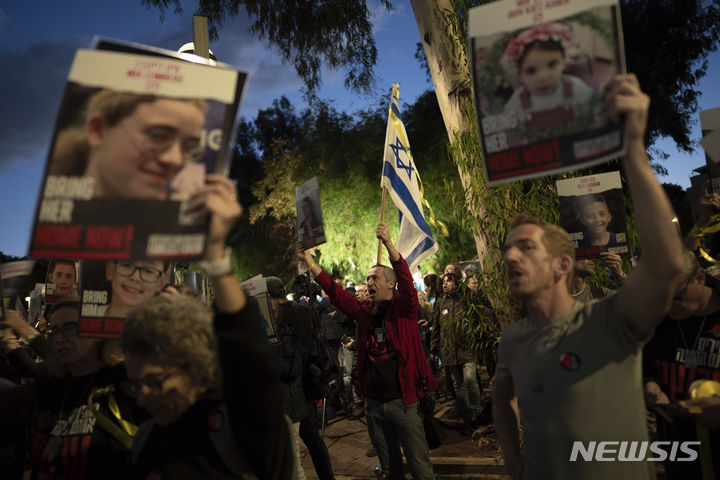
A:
[218,268]
[313,264]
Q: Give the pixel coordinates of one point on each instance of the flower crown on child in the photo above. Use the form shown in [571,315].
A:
[558,32]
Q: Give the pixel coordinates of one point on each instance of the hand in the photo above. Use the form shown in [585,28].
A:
[612,263]
[305,256]
[8,341]
[383,232]
[17,323]
[219,198]
[710,416]
[654,394]
[423,323]
[625,99]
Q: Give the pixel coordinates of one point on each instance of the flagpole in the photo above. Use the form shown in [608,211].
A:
[382,219]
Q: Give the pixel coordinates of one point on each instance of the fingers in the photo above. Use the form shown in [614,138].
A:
[625,99]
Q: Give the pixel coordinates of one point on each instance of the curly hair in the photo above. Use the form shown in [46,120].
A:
[175,330]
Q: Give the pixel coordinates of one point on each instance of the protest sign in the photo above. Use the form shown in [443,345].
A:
[257,287]
[62,280]
[310,228]
[114,287]
[592,210]
[133,139]
[539,69]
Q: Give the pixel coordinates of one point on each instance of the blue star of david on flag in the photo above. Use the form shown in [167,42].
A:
[415,241]
[397,148]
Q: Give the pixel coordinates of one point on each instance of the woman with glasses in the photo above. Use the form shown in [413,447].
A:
[133,282]
[131,145]
[207,377]
[81,425]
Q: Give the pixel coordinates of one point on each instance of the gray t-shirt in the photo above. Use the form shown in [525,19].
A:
[578,378]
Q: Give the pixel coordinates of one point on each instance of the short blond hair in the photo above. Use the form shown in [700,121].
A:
[556,240]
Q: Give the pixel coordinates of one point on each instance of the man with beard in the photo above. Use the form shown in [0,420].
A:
[392,368]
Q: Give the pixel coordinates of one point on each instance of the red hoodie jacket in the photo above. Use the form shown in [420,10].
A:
[401,330]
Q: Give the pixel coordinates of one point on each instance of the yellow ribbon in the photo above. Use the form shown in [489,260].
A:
[400,128]
[702,389]
[126,431]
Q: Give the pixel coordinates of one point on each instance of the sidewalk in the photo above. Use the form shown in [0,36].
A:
[458,458]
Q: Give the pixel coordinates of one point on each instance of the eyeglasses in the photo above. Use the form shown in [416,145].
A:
[156,140]
[154,383]
[68,330]
[147,274]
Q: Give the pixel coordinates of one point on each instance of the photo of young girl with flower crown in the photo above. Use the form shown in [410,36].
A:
[547,96]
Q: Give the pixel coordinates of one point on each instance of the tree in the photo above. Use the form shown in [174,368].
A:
[676,36]
[308,34]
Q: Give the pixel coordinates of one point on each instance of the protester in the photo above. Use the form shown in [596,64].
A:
[80,426]
[458,356]
[130,145]
[298,331]
[575,367]
[684,349]
[581,291]
[209,421]
[391,364]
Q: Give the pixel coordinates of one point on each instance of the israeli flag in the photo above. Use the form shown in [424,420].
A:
[399,175]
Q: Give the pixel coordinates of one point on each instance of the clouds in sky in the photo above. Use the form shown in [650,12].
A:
[34,74]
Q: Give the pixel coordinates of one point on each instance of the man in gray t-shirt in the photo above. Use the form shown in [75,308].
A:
[575,368]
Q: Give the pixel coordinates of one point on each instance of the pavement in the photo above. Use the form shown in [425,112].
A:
[460,457]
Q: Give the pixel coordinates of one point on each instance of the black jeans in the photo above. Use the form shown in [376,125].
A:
[315,445]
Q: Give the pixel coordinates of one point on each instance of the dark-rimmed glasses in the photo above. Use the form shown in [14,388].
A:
[147,274]
[68,330]
[153,382]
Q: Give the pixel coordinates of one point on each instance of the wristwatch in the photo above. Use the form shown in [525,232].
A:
[218,268]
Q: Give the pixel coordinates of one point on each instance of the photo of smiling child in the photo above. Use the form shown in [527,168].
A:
[592,210]
[112,289]
[539,81]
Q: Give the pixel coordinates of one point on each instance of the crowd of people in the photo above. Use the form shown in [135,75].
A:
[194,389]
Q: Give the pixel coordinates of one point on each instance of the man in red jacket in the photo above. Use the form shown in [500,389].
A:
[391,364]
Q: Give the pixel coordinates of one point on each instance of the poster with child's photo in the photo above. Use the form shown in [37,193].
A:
[592,211]
[310,227]
[257,287]
[62,281]
[114,287]
[134,138]
[539,72]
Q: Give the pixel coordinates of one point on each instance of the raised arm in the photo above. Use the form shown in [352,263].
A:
[219,198]
[339,297]
[646,294]
[383,234]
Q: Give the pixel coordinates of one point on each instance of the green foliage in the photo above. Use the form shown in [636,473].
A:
[309,34]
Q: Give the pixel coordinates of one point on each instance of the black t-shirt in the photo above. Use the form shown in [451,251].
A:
[66,442]
[381,371]
[680,352]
